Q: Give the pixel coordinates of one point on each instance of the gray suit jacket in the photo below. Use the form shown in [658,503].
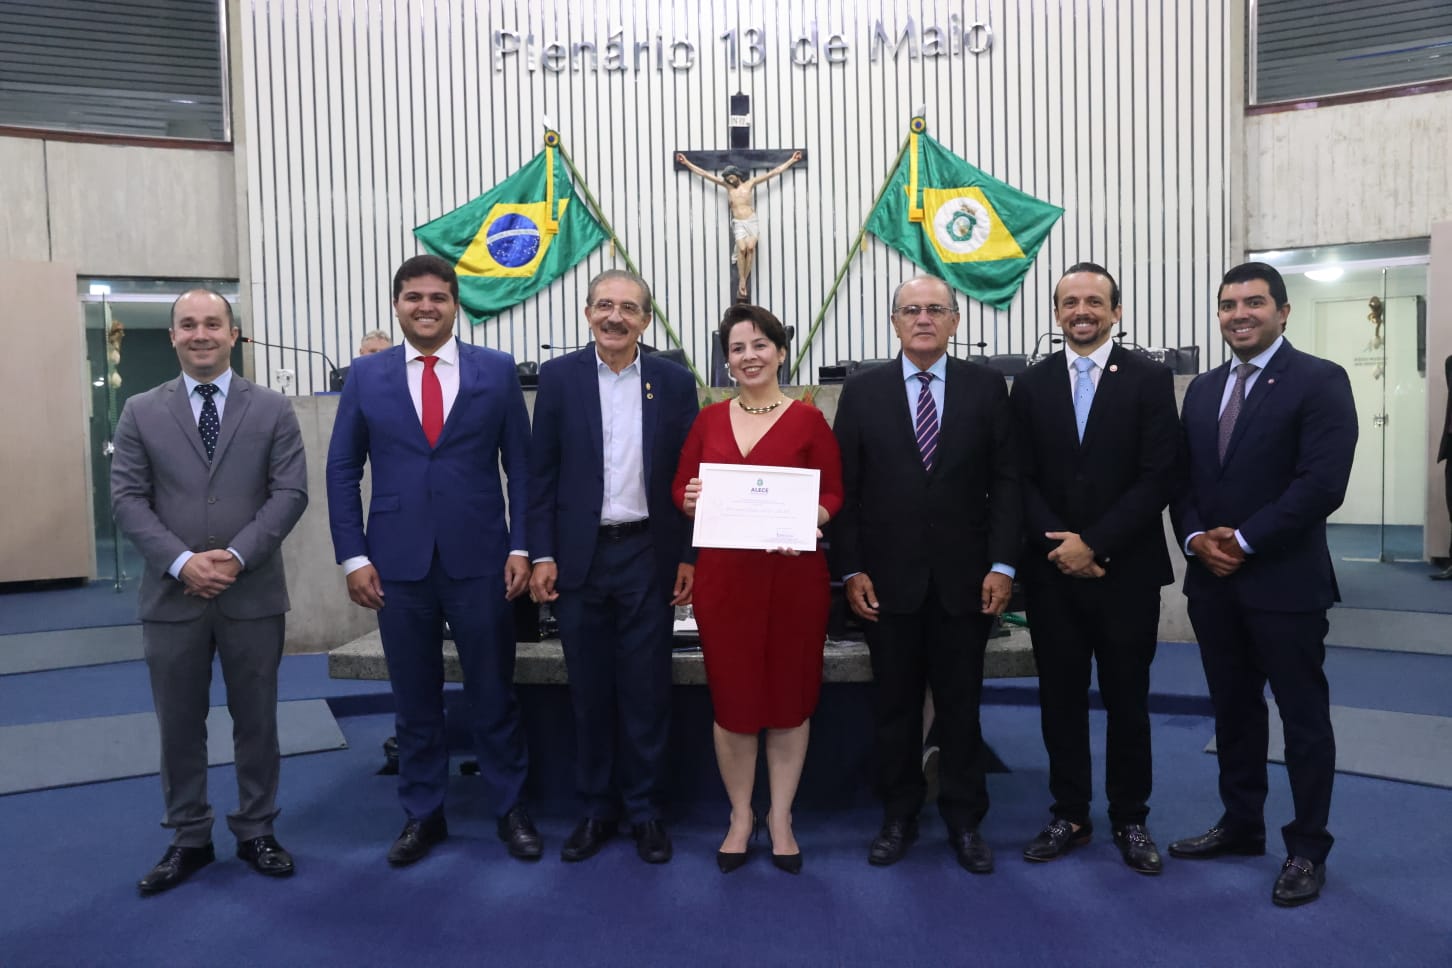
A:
[168,499]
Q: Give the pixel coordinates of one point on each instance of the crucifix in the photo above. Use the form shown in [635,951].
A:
[732,171]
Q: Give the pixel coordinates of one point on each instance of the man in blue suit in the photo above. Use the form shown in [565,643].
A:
[612,555]
[1270,442]
[436,418]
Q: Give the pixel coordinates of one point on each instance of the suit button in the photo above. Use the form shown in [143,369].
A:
[211,500]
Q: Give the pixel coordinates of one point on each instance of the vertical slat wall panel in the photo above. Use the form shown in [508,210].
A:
[366,118]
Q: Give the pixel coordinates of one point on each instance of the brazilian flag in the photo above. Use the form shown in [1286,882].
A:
[515,239]
[978,234]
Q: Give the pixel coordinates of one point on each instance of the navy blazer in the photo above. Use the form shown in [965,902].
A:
[1286,469]
[567,463]
[447,496]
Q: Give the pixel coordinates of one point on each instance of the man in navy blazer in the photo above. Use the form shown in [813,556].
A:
[435,418]
[612,555]
[1270,438]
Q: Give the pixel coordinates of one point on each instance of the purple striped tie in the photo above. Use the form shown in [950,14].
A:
[926,424]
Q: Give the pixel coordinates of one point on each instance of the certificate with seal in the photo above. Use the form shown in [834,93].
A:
[757,507]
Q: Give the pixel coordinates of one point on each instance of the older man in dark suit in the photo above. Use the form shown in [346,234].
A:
[1099,437]
[1270,436]
[926,542]
[612,555]
[207,478]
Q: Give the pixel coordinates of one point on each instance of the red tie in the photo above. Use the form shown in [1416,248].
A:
[433,401]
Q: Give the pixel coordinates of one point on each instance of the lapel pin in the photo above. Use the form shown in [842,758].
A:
[1114,368]
[647,385]
[650,396]
[1270,381]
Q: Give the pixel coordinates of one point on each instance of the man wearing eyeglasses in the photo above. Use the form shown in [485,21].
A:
[926,542]
[612,556]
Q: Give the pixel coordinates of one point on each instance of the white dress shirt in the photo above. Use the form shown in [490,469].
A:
[620,426]
[1100,356]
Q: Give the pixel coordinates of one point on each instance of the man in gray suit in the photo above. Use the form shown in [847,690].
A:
[207,478]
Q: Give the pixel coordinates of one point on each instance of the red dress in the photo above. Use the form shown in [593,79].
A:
[763,617]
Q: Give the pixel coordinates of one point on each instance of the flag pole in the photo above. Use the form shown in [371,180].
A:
[847,262]
[629,263]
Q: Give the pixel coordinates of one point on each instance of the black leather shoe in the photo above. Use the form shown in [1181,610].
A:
[1300,882]
[418,837]
[266,856]
[1056,840]
[1444,575]
[587,838]
[892,841]
[175,866]
[974,855]
[1218,842]
[518,833]
[652,842]
[1138,849]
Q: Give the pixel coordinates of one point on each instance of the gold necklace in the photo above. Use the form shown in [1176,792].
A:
[758,410]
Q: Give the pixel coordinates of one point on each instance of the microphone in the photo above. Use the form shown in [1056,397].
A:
[562,347]
[295,349]
[1037,355]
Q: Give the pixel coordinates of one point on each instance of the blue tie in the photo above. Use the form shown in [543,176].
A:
[208,424]
[1083,393]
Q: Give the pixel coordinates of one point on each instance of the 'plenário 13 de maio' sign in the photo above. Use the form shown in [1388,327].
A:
[747,48]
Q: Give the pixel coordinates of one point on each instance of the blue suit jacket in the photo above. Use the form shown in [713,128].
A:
[567,463]
[446,497]
[1285,471]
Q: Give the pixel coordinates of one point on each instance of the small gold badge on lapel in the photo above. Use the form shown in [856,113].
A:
[650,396]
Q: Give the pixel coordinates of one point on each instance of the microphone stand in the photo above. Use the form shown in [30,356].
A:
[332,370]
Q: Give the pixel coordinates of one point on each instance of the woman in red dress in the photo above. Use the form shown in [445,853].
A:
[762,614]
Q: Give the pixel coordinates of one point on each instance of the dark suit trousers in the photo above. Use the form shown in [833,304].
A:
[1241,650]
[179,660]
[1074,622]
[616,634]
[911,651]
[411,626]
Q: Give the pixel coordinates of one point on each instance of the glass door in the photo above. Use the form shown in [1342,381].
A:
[1368,313]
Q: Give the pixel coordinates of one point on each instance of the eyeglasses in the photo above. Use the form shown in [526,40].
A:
[607,306]
[935,311]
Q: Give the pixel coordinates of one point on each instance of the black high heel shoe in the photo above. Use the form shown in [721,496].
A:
[791,863]
[729,861]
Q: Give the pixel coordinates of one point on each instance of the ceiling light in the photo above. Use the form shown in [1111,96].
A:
[1328,274]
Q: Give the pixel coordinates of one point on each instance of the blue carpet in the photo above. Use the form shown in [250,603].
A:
[75,905]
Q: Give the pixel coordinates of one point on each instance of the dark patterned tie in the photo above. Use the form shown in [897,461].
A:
[209,425]
[926,424]
[1232,406]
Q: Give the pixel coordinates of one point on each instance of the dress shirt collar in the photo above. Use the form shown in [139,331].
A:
[600,363]
[939,368]
[1100,356]
[1261,359]
[223,383]
[448,353]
